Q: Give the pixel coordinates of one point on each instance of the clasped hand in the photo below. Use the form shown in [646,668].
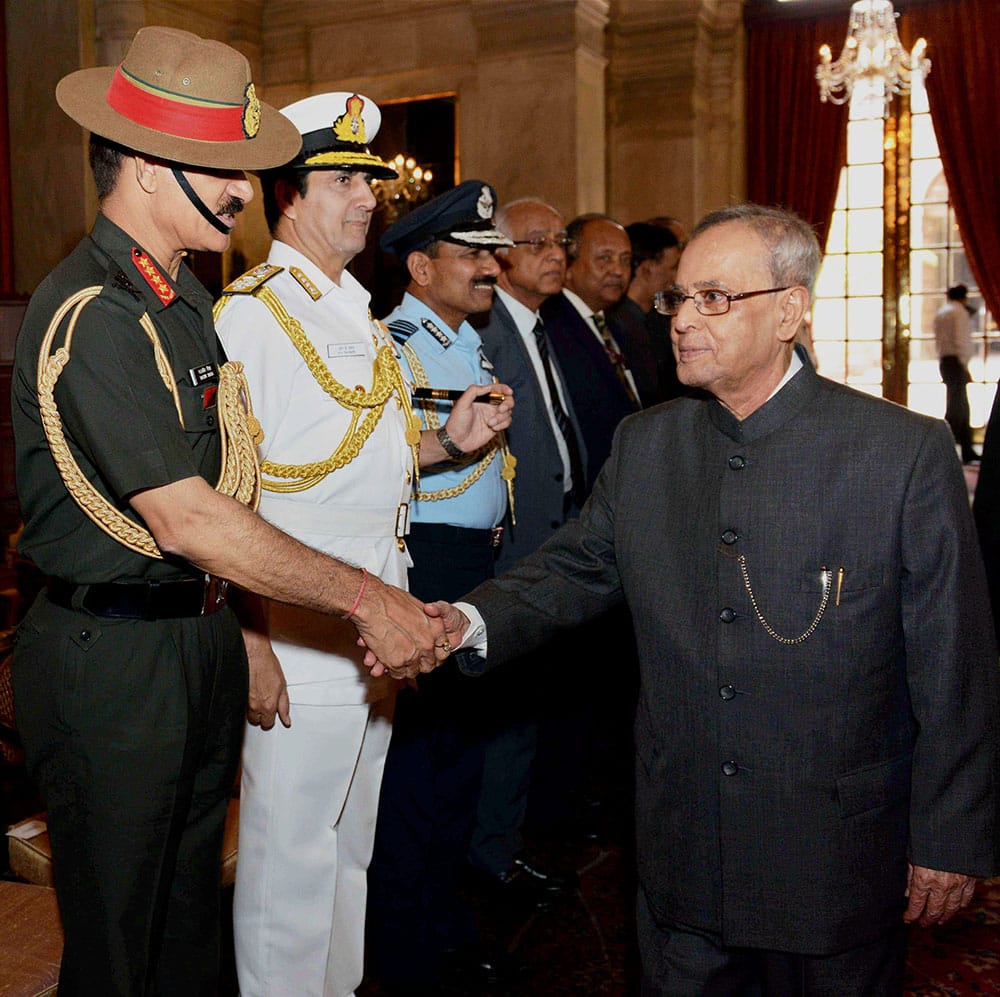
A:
[448,622]
[401,639]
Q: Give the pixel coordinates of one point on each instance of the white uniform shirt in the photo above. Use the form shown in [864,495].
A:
[953,332]
[352,513]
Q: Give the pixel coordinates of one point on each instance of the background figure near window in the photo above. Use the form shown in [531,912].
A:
[953,335]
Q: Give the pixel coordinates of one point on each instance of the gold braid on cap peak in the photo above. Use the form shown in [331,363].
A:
[238,429]
[338,157]
[366,407]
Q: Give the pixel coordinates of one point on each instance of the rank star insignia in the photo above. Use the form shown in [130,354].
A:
[159,284]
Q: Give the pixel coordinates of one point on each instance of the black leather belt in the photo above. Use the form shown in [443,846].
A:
[163,600]
[443,533]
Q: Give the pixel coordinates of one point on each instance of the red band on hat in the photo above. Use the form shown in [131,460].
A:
[173,115]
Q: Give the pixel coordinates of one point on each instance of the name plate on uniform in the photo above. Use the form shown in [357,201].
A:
[335,350]
[202,373]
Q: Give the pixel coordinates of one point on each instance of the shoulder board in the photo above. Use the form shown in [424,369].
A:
[253,280]
[305,283]
[437,333]
[401,329]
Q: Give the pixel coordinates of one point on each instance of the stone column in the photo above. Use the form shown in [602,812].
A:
[675,108]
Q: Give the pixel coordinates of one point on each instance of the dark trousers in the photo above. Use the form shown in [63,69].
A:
[955,376]
[429,788]
[681,962]
[133,731]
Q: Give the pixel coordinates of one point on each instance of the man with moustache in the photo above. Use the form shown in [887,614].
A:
[419,932]
[602,387]
[130,670]
[816,738]
[550,487]
[338,464]
[644,334]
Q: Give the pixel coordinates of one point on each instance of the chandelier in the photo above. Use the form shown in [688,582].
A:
[872,54]
[410,188]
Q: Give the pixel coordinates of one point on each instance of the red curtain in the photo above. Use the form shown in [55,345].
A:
[796,145]
[964,96]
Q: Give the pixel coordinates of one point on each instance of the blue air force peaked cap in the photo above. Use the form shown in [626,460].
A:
[463,215]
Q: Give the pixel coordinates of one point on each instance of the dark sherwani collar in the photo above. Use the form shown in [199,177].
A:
[786,405]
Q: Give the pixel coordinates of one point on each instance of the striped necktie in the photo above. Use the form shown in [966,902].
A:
[615,356]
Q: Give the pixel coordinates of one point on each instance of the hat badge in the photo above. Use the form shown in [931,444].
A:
[350,126]
[251,112]
[484,206]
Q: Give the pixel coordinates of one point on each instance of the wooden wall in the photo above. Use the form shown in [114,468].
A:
[630,106]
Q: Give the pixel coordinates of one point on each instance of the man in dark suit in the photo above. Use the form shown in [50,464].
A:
[546,436]
[602,388]
[549,487]
[816,737]
[644,333]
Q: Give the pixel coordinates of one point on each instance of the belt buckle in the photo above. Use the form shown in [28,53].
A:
[496,536]
[216,590]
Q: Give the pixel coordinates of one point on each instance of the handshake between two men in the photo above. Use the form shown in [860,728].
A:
[448,624]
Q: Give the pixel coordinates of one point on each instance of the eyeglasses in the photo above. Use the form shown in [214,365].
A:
[542,242]
[711,302]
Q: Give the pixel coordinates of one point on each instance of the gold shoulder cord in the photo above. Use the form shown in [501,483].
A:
[238,429]
[366,407]
[507,472]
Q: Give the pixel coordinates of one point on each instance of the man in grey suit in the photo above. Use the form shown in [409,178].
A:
[549,488]
[816,733]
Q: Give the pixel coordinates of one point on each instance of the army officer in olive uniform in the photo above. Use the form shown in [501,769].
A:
[130,673]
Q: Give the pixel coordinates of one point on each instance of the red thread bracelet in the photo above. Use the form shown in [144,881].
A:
[361,592]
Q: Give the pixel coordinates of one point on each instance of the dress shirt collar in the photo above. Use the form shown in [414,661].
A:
[794,366]
[524,318]
[586,312]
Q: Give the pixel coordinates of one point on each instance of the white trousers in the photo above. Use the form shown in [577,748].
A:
[308,806]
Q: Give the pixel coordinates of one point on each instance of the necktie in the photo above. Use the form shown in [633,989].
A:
[562,419]
[615,356]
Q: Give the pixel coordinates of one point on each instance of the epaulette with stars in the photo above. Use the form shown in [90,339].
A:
[437,333]
[302,279]
[253,279]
